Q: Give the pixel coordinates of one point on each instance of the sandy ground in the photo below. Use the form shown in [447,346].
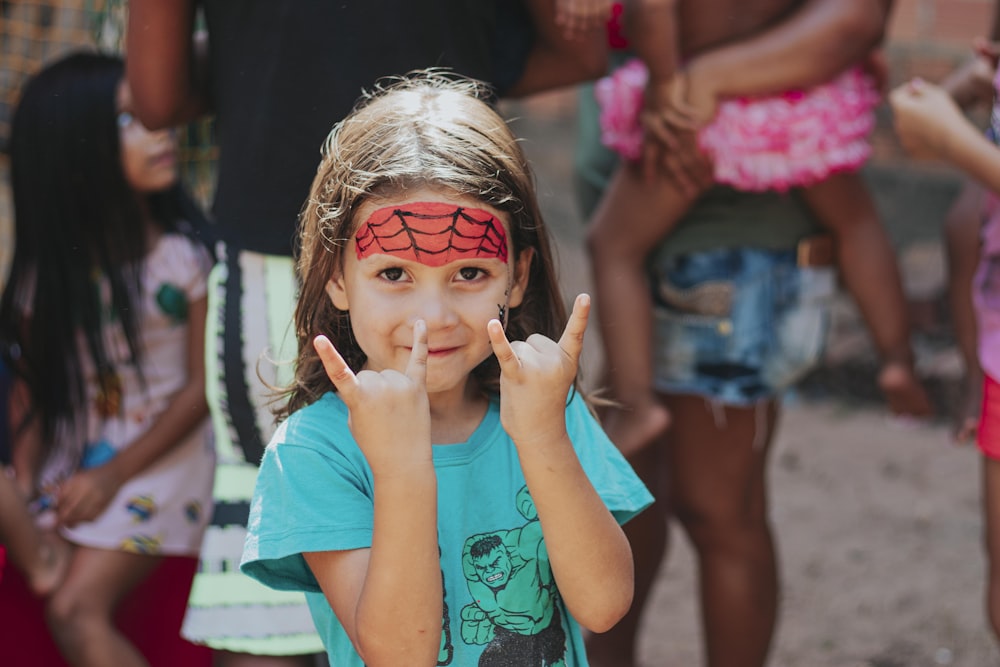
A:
[878,525]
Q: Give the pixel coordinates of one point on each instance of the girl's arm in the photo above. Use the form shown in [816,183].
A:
[930,125]
[820,40]
[590,555]
[166,65]
[86,494]
[388,597]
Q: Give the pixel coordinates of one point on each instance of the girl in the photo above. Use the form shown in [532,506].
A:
[813,140]
[105,306]
[477,500]
[931,125]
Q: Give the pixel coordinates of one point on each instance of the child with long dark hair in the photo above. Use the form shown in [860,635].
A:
[442,494]
[104,312]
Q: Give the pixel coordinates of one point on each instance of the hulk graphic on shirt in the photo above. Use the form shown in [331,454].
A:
[514,612]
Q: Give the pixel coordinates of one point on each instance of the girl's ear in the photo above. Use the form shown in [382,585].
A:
[338,295]
[522,269]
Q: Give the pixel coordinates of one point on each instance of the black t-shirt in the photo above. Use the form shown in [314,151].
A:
[284,71]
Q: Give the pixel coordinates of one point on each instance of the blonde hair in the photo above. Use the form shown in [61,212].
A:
[431,129]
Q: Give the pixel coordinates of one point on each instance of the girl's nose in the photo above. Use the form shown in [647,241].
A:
[436,309]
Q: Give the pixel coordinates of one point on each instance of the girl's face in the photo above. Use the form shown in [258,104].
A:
[149,159]
[435,256]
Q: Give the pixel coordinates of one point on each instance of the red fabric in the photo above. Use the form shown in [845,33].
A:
[151,617]
[988,437]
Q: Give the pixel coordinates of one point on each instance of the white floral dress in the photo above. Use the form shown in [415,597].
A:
[165,508]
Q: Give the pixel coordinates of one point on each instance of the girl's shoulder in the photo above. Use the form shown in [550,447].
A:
[179,260]
[321,425]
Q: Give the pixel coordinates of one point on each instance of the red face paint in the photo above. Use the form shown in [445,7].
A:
[432,233]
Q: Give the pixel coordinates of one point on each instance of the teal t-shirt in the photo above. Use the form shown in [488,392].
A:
[314,493]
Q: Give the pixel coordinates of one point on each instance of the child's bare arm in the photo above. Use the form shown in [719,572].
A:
[388,597]
[166,64]
[87,493]
[931,125]
[590,556]
[821,39]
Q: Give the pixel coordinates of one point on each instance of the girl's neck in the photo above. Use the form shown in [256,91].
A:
[455,416]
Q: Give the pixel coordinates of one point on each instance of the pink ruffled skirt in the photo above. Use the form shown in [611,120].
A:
[797,138]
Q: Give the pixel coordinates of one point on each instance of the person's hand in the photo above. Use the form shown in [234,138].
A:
[86,494]
[580,17]
[389,411]
[971,83]
[536,376]
[925,117]
[670,123]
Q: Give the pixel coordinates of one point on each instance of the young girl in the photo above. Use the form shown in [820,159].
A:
[105,308]
[931,125]
[813,140]
[443,496]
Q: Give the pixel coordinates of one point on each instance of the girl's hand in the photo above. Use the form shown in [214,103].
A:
[535,378]
[389,411]
[926,118]
[86,494]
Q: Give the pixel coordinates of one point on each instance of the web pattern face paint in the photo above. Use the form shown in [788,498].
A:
[432,233]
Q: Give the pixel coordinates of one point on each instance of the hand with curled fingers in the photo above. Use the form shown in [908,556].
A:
[926,119]
[389,411]
[536,376]
[579,17]
[86,494]
[670,123]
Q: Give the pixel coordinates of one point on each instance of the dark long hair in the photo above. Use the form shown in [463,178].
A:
[429,129]
[76,219]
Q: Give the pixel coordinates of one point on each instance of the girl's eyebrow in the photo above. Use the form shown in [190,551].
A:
[432,233]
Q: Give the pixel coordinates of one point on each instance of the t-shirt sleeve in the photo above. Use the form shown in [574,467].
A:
[616,483]
[188,264]
[308,498]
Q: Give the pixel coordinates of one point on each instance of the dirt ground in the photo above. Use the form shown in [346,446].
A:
[878,524]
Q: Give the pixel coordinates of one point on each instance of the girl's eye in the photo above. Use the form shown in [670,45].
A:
[470,272]
[392,275]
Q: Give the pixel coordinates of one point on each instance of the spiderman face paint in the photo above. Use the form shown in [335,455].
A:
[432,233]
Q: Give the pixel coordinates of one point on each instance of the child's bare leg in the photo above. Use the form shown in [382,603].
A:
[43,559]
[961,232]
[867,264]
[633,216]
[991,527]
[80,613]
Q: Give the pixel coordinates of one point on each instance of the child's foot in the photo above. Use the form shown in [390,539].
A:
[903,390]
[633,428]
[52,565]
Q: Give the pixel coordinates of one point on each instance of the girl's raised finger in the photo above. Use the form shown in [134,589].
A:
[340,374]
[416,369]
[571,340]
[501,347]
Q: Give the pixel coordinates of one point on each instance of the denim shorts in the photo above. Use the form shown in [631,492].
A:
[738,325]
